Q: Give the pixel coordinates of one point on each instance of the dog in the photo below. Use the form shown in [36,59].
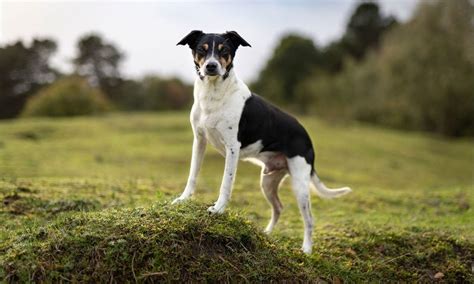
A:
[243,125]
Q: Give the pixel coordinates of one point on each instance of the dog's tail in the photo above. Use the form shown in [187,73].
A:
[324,192]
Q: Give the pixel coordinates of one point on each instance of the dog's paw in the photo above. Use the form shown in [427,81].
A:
[307,249]
[268,230]
[179,200]
[216,209]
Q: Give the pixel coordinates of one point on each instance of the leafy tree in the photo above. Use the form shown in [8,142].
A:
[24,70]
[99,61]
[164,94]
[130,95]
[364,32]
[365,28]
[296,57]
[428,63]
[292,61]
[421,78]
[333,57]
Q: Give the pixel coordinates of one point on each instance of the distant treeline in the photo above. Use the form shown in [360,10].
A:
[417,75]
[30,85]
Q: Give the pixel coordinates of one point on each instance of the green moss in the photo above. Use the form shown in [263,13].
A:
[162,243]
[184,242]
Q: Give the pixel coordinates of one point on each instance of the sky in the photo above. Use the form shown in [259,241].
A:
[147,31]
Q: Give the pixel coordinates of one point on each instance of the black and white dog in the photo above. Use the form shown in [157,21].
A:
[242,125]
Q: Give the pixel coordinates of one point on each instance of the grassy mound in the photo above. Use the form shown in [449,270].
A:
[160,243]
[184,242]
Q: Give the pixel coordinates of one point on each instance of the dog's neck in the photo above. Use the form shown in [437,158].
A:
[214,92]
[215,87]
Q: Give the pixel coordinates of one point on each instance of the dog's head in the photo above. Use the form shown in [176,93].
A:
[213,53]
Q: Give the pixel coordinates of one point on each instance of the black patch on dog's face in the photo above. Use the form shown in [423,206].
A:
[218,48]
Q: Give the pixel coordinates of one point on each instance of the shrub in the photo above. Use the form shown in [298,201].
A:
[67,97]
[166,93]
[153,93]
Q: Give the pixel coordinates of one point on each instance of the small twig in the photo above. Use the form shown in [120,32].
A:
[229,263]
[68,280]
[133,270]
[153,274]
[392,259]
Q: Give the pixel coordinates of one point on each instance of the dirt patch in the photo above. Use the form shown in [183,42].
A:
[28,135]
[22,203]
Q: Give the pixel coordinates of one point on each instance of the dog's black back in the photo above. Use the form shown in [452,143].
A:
[278,131]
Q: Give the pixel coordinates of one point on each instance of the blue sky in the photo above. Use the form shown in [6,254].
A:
[147,31]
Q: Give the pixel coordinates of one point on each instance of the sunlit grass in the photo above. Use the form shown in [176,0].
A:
[407,186]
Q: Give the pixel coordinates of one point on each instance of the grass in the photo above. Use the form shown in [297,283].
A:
[82,191]
[161,242]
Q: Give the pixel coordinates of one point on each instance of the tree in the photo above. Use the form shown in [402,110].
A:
[428,62]
[99,61]
[169,93]
[153,93]
[292,61]
[364,32]
[24,70]
[365,28]
[297,58]
[333,57]
[421,77]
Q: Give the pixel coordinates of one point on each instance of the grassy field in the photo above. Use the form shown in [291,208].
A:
[96,190]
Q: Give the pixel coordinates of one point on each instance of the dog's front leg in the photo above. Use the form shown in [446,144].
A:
[231,161]
[199,147]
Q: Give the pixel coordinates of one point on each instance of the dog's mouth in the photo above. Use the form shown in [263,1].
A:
[211,73]
[211,68]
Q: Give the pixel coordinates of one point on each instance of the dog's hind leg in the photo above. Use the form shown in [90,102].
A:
[269,183]
[300,172]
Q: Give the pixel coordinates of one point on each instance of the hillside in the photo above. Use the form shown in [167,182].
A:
[81,189]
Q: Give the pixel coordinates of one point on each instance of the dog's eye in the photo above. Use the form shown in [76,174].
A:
[200,51]
[224,52]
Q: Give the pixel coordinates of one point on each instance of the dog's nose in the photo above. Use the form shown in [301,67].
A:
[211,67]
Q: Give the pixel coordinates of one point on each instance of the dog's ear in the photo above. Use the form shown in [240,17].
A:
[236,39]
[191,39]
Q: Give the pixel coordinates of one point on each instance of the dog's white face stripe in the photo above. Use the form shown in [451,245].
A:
[213,48]
[212,58]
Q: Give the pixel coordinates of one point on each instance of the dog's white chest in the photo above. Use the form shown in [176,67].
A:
[211,124]
[220,125]
[217,111]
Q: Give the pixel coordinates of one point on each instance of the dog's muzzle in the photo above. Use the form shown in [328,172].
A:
[211,69]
